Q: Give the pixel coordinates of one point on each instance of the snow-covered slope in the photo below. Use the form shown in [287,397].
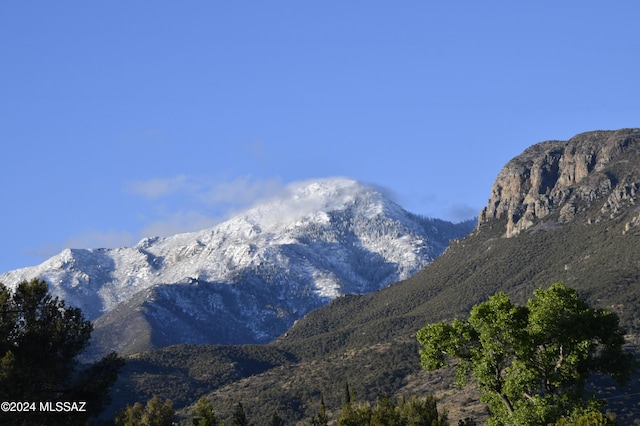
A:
[247,279]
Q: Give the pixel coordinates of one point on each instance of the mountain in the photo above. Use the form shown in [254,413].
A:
[539,227]
[248,279]
[554,183]
[561,211]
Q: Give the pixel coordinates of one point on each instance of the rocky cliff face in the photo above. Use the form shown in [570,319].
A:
[592,177]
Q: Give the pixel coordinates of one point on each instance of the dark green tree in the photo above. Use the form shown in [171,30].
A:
[530,362]
[239,416]
[203,414]
[413,412]
[321,419]
[420,411]
[355,414]
[40,340]
[155,413]
[591,418]
[347,397]
[131,415]
[385,413]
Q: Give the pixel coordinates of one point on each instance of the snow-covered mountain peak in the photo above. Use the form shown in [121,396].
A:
[312,200]
[272,263]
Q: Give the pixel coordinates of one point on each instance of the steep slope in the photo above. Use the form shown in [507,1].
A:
[369,340]
[560,182]
[248,279]
[539,227]
[595,249]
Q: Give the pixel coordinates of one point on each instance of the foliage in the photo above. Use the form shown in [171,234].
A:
[183,373]
[279,383]
[40,340]
[321,418]
[203,414]
[413,412]
[239,416]
[530,362]
[155,413]
[591,418]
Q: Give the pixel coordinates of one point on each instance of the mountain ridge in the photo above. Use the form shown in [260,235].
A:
[369,340]
[609,214]
[249,278]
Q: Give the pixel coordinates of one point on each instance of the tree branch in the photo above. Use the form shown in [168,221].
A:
[560,360]
[506,402]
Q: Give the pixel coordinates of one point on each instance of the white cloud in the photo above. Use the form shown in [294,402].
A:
[186,203]
[160,187]
[178,204]
[242,190]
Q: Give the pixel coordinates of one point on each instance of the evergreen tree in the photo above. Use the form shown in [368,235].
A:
[131,415]
[385,413]
[421,411]
[155,413]
[592,418]
[415,412]
[239,416]
[40,340]
[203,414]
[321,419]
[352,414]
[347,394]
[355,414]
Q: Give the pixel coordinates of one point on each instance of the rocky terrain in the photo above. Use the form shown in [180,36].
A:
[561,180]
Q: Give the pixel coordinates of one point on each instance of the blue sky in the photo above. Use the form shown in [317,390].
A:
[121,120]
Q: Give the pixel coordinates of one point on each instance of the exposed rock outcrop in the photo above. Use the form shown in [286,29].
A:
[593,176]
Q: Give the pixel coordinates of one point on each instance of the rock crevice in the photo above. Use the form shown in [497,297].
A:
[564,179]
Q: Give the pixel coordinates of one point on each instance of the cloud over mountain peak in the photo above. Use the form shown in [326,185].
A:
[256,272]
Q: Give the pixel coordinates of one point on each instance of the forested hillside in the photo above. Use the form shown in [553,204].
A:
[369,340]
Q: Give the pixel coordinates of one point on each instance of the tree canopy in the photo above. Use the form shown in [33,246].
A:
[40,339]
[155,413]
[531,363]
[386,412]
